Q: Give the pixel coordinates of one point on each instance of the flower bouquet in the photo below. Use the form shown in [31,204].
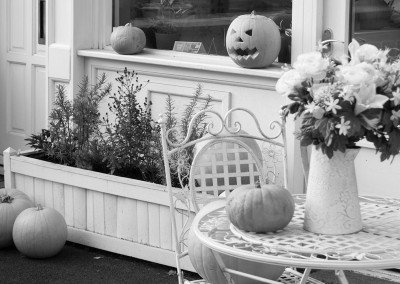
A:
[344,101]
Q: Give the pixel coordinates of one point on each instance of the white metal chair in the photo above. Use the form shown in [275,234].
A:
[210,167]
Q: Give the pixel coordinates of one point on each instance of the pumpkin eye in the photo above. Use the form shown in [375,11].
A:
[249,32]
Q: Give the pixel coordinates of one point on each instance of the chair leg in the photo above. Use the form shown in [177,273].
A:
[305,276]
[341,276]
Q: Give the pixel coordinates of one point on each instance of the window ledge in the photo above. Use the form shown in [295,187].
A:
[209,63]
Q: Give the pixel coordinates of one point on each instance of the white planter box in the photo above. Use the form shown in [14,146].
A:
[115,214]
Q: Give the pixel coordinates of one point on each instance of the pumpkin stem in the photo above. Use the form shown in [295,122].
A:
[39,207]
[253,13]
[258,184]
[6,199]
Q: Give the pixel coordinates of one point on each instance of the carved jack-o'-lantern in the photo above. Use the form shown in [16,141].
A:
[253,41]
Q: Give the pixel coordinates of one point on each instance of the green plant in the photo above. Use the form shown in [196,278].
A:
[168,11]
[341,103]
[131,135]
[181,162]
[126,140]
[69,139]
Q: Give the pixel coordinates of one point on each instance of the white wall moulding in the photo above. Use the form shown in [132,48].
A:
[217,68]
[120,215]
[59,61]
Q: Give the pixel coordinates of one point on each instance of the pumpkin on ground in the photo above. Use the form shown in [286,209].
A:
[260,209]
[253,41]
[128,39]
[207,267]
[12,203]
[40,232]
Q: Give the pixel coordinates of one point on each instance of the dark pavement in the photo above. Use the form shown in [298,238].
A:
[80,264]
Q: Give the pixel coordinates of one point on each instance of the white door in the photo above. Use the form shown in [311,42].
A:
[22,71]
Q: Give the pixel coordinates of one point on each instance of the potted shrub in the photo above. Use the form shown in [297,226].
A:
[164,24]
[74,168]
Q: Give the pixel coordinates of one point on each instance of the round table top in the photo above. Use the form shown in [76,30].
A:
[376,246]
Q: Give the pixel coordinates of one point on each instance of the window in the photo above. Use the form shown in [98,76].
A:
[377,22]
[204,21]
[42,22]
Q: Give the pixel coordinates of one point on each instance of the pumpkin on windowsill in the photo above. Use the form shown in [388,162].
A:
[260,208]
[253,41]
[128,39]
[40,232]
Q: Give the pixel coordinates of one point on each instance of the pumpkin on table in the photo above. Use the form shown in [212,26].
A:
[40,232]
[203,260]
[128,39]
[260,209]
[12,203]
[253,41]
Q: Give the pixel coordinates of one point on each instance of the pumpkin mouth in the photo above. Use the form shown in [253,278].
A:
[244,53]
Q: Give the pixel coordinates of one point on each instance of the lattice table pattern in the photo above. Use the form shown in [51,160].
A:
[377,245]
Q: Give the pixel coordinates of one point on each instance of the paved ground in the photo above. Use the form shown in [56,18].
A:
[80,264]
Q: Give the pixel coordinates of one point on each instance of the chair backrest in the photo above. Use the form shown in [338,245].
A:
[211,167]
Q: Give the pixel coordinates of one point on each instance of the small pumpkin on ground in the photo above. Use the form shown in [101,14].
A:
[12,203]
[40,232]
[253,41]
[128,39]
[260,209]
[206,265]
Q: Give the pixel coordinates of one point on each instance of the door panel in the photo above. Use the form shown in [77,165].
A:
[23,68]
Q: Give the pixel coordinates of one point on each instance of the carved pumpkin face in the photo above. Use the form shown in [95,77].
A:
[253,41]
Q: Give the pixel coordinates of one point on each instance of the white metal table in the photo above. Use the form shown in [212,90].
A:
[376,246]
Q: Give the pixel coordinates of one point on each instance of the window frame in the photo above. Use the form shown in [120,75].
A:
[307,20]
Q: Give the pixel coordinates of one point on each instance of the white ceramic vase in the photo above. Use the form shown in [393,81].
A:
[332,205]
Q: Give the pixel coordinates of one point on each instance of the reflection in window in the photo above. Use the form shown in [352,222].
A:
[204,21]
[377,22]
[42,22]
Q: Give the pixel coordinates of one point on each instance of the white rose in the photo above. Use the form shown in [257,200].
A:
[288,82]
[367,53]
[353,75]
[312,65]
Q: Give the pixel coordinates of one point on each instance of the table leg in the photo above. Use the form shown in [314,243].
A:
[341,276]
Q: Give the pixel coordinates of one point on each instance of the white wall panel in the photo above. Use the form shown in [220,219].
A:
[16,26]
[39,114]
[16,97]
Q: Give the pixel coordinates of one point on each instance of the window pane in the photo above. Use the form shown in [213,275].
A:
[204,21]
[377,22]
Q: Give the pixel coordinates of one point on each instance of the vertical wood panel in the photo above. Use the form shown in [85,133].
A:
[39,113]
[127,219]
[39,191]
[58,195]
[154,224]
[48,194]
[69,205]
[98,212]
[16,114]
[19,182]
[89,211]
[16,24]
[143,222]
[79,200]
[110,215]
[29,187]
[165,228]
